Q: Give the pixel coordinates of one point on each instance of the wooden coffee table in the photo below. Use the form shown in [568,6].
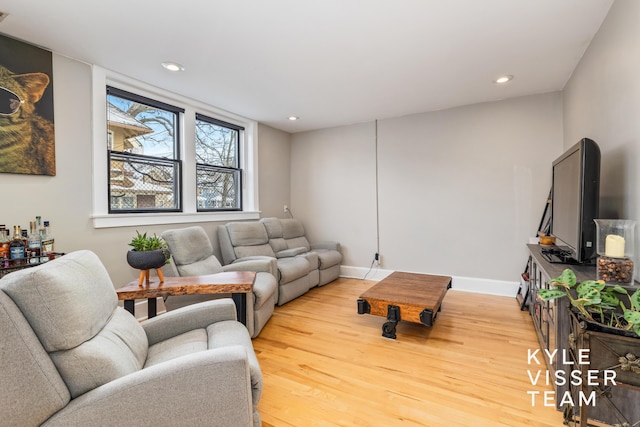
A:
[405,296]
[236,283]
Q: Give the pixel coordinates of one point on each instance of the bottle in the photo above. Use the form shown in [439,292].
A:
[47,243]
[4,247]
[16,247]
[33,244]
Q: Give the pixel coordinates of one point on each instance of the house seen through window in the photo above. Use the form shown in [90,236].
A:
[143,148]
[218,173]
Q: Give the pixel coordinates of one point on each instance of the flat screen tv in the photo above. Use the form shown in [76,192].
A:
[575,201]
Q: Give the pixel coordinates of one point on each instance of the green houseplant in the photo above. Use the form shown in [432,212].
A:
[147,252]
[609,305]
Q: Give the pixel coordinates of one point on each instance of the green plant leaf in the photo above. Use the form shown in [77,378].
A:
[567,279]
[589,285]
[609,299]
[636,329]
[635,299]
[632,317]
[619,289]
[551,294]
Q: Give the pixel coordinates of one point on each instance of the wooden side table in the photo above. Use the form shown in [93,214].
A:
[236,283]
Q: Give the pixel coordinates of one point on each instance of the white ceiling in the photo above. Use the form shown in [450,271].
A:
[330,62]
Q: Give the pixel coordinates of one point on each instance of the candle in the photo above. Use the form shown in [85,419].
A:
[614,246]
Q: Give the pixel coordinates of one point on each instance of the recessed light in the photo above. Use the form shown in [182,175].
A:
[293,118]
[503,79]
[173,66]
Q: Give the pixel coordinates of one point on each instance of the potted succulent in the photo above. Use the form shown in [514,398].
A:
[607,308]
[148,252]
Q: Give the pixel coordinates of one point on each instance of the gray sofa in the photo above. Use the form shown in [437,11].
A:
[301,265]
[192,255]
[71,356]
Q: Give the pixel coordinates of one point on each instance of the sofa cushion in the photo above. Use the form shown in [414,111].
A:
[192,251]
[66,301]
[291,269]
[119,349]
[291,228]
[328,258]
[253,251]
[247,233]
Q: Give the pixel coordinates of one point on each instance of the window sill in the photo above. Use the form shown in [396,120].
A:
[127,220]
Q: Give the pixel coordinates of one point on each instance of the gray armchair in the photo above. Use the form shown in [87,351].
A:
[71,356]
[192,255]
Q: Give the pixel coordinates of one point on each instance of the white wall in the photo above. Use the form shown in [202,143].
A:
[65,199]
[333,188]
[602,102]
[460,190]
[274,156]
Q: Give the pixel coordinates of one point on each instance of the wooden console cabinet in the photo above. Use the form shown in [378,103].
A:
[551,319]
[558,329]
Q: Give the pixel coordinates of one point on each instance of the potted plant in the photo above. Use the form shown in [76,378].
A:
[148,252]
[609,308]
[604,328]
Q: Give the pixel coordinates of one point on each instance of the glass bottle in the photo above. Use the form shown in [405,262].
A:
[4,247]
[16,247]
[33,244]
[47,243]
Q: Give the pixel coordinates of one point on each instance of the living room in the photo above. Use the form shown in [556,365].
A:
[457,191]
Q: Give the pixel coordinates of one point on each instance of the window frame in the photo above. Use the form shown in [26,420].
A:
[175,161]
[237,170]
[101,78]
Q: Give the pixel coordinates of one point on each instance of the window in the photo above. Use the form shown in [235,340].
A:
[178,161]
[218,173]
[143,147]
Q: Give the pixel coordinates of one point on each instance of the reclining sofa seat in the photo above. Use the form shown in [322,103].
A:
[73,356]
[289,235]
[241,241]
[192,255]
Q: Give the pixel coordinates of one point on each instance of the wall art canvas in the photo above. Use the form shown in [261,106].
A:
[27,141]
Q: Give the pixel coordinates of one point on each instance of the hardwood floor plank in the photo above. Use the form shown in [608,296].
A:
[326,365]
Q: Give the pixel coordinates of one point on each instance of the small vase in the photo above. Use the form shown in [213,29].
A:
[147,260]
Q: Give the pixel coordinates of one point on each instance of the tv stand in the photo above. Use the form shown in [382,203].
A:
[551,318]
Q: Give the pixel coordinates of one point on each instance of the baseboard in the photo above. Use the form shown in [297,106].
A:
[376,274]
[459,283]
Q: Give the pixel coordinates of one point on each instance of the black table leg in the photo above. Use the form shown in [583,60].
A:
[240,299]
[129,305]
[152,307]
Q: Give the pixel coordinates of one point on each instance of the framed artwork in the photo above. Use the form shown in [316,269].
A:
[27,140]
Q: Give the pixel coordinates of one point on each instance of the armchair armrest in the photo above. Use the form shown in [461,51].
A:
[326,245]
[187,318]
[210,388]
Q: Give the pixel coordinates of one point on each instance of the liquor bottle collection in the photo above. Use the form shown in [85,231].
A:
[26,247]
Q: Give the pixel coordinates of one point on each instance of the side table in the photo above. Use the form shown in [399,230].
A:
[236,283]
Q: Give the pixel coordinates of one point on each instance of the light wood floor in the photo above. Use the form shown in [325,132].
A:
[325,365]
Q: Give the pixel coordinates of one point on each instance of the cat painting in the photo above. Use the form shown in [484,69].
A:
[26,139]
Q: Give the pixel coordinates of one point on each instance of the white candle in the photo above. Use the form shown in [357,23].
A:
[614,246]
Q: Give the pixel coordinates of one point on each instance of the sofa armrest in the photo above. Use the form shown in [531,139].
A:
[329,245]
[206,388]
[288,253]
[261,264]
[184,319]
